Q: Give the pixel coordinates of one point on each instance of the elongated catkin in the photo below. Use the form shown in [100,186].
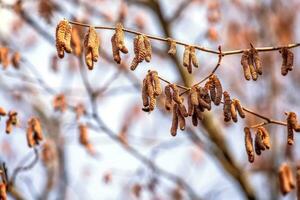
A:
[194,57]
[256,60]
[63,38]
[169,97]
[172,47]
[120,38]
[174,125]
[252,68]
[283,180]
[265,137]
[249,145]
[148,49]
[245,65]
[176,96]
[115,50]
[145,93]
[239,108]
[227,107]
[233,112]
[156,83]
[287,60]
[91,45]
[181,119]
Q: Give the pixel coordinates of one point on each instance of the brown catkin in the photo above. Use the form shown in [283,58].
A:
[174,126]
[239,108]
[115,49]
[219,90]
[194,57]
[256,60]
[63,38]
[259,146]
[192,100]
[227,107]
[181,119]
[156,83]
[182,110]
[15,60]
[249,145]
[233,112]
[120,38]
[292,124]
[186,56]
[283,180]
[206,103]
[252,68]
[245,65]
[176,96]
[212,88]
[287,60]
[141,49]
[150,92]
[265,137]
[91,44]
[198,113]
[172,47]
[148,49]
[168,99]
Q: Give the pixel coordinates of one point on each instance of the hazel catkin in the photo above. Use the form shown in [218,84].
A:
[148,49]
[91,45]
[249,145]
[239,108]
[120,38]
[227,107]
[172,47]
[169,97]
[287,60]
[256,60]
[174,125]
[63,38]
[245,65]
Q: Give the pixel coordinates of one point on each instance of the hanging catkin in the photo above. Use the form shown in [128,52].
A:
[256,60]
[239,108]
[181,119]
[176,96]
[115,49]
[139,51]
[156,83]
[148,49]
[174,125]
[292,125]
[219,90]
[233,112]
[169,97]
[172,47]
[204,98]
[186,56]
[91,45]
[194,57]
[287,60]
[227,107]
[11,121]
[150,92]
[63,38]
[251,67]
[120,38]
[265,137]
[283,180]
[192,100]
[245,64]
[249,145]
[75,41]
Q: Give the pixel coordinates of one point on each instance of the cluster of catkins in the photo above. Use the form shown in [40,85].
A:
[198,99]
[286,179]
[261,142]
[252,65]
[5,61]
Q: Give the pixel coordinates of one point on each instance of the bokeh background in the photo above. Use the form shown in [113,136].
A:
[134,156]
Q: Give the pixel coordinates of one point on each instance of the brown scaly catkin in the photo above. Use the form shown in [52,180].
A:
[292,124]
[3,195]
[174,125]
[176,96]
[249,145]
[256,60]
[212,88]
[91,45]
[120,38]
[181,119]
[172,47]
[283,180]
[192,100]
[115,50]
[156,83]
[287,60]
[182,110]
[186,56]
[245,64]
[227,107]
[265,137]
[194,57]
[139,51]
[150,92]
[15,60]
[259,145]
[204,98]
[63,38]
[239,108]
[252,68]
[148,49]
[4,60]
[233,112]
[169,97]
[219,89]
[289,175]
